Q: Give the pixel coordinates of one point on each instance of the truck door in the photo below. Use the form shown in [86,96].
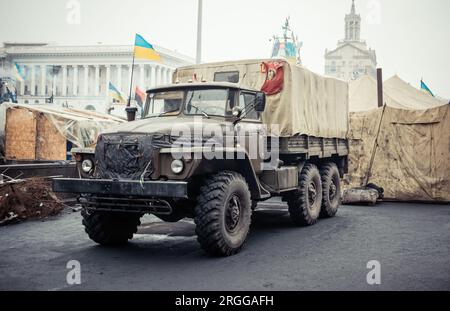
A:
[252,128]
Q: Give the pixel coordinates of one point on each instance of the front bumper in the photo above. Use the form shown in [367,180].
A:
[128,188]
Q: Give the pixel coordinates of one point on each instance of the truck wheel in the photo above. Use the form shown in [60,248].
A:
[110,229]
[331,190]
[304,204]
[223,214]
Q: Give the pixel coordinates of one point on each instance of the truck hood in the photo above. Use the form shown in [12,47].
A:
[170,125]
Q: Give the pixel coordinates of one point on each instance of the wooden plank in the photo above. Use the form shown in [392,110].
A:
[50,144]
[20,134]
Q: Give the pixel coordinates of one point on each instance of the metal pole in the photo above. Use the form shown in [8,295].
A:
[380,87]
[131,82]
[199,31]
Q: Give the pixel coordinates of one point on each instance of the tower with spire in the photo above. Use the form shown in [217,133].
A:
[351,58]
[352,25]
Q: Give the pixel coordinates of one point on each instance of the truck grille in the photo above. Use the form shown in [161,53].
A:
[122,156]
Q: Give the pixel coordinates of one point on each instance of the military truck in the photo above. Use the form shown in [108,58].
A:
[192,154]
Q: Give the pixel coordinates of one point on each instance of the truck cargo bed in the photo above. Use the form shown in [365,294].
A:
[311,146]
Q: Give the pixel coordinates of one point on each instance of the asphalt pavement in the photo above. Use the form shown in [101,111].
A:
[410,241]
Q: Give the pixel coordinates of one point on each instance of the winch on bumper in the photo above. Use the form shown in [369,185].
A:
[124,195]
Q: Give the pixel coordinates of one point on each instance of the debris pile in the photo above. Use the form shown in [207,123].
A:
[22,199]
[369,195]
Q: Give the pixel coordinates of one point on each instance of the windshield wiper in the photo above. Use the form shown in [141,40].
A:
[163,113]
[198,109]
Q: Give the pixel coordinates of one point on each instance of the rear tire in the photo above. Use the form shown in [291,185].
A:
[304,204]
[331,190]
[223,214]
[110,229]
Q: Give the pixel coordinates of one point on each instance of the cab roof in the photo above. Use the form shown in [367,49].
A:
[174,86]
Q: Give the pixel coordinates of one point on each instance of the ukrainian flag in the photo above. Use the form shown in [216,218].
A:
[116,94]
[18,72]
[425,88]
[144,50]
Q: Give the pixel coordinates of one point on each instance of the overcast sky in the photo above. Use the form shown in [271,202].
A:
[411,37]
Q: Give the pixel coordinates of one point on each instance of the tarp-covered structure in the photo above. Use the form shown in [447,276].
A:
[396,94]
[298,100]
[40,132]
[404,146]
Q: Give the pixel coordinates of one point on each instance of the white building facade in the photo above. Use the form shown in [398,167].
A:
[352,57]
[79,76]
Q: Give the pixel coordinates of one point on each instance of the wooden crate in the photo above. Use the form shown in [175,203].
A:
[31,136]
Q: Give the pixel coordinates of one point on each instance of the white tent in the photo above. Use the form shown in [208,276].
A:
[396,94]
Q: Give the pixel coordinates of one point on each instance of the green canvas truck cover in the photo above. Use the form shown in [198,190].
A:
[306,103]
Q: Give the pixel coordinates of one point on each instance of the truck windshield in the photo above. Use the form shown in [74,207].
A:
[207,102]
[164,103]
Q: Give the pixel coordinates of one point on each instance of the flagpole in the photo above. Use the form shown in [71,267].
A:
[131,82]
[198,58]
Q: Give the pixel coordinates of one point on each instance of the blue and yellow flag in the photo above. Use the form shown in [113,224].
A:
[18,72]
[144,50]
[425,88]
[116,94]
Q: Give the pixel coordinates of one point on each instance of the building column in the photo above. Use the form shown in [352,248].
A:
[142,76]
[64,80]
[163,79]
[130,70]
[108,78]
[169,74]
[157,75]
[86,80]
[119,77]
[43,80]
[22,84]
[33,81]
[152,75]
[96,80]
[75,80]
[53,81]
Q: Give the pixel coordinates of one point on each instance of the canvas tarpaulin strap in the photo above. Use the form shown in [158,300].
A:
[411,160]
[308,104]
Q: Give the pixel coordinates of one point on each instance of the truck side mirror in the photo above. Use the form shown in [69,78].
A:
[260,102]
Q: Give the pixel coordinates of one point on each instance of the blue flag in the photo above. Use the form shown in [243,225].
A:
[425,88]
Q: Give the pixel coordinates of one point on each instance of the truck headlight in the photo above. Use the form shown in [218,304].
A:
[177,166]
[87,165]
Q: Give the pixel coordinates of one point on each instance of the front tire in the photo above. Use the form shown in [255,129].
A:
[304,204]
[223,214]
[110,229]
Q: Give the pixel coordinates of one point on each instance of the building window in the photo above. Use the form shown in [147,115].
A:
[333,66]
